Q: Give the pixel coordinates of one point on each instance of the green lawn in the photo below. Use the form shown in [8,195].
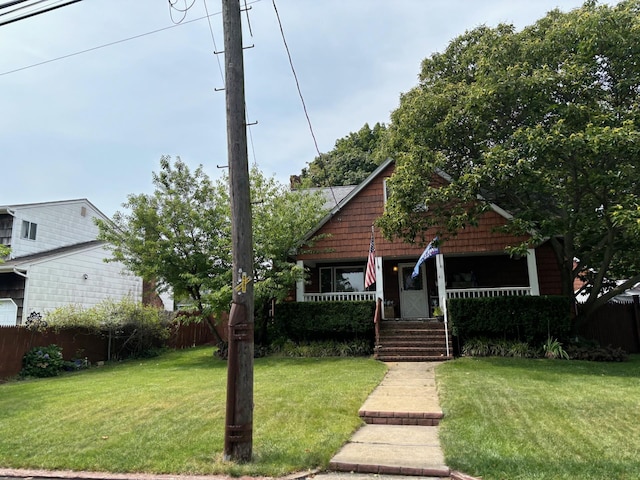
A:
[166,415]
[541,419]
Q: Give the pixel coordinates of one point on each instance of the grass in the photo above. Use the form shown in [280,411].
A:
[166,415]
[541,419]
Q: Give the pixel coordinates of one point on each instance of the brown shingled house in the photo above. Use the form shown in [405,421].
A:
[472,264]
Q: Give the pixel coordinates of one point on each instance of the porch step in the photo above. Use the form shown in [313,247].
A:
[420,340]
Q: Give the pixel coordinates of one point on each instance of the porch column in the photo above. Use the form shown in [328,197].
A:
[300,284]
[533,272]
[442,294]
[379,281]
[442,283]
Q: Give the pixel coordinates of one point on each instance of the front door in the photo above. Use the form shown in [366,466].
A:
[413,292]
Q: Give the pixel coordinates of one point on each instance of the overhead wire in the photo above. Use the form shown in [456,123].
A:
[295,76]
[183,11]
[213,39]
[98,47]
[33,13]
[17,6]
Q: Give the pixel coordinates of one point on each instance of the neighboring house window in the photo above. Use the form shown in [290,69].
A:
[341,279]
[29,230]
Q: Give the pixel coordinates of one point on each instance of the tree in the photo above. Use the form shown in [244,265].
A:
[544,123]
[4,251]
[281,220]
[180,236]
[352,159]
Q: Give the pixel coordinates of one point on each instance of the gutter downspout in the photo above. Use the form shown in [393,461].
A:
[17,272]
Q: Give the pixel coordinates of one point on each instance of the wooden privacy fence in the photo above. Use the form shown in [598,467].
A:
[615,324]
[15,341]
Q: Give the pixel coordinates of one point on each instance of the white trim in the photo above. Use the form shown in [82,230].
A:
[533,272]
[442,294]
[487,292]
[340,297]
[379,279]
[300,284]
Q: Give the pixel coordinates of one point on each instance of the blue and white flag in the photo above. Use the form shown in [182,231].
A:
[430,251]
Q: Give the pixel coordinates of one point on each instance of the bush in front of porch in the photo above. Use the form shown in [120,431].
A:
[302,322]
[529,319]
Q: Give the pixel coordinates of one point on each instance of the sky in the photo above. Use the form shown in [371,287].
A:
[94,125]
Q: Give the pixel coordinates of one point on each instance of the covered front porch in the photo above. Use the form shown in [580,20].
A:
[439,278]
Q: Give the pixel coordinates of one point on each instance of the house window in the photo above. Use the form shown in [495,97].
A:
[29,230]
[341,279]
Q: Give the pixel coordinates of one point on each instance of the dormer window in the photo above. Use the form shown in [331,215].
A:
[29,230]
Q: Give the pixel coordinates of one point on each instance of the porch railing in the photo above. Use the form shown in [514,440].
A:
[339,296]
[487,292]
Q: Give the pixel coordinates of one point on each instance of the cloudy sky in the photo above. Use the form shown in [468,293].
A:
[94,125]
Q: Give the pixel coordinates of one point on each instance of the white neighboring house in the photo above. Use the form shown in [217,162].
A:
[55,260]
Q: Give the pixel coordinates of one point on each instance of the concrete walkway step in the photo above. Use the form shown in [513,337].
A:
[393,450]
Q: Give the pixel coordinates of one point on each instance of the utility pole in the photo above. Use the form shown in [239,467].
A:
[238,438]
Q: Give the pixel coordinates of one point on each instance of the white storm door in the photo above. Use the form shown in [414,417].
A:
[413,292]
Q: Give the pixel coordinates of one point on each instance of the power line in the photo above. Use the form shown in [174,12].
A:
[213,39]
[110,44]
[304,106]
[37,12]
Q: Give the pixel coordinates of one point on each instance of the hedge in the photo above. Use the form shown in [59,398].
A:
[526,318]
[318,321]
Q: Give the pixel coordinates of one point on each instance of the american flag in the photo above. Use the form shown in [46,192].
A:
[370,277]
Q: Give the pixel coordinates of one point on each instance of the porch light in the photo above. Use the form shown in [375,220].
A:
[395,268]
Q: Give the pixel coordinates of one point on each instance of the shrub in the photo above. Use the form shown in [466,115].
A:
[553,349]
[355,348]
[525,318]
[484,347]
[42,362]
[133,329]
[320,321]
[596,353]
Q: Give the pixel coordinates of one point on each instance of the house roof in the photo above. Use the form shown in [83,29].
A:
[332,195]
[11,208]
[20,263]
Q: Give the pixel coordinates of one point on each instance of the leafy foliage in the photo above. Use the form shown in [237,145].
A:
[484,347]
[133,329]
[4,252]
[553,349]
[352,159]
[317,321]
[180,236]
[543,122]
[526,318]
[40,362]
[327,348]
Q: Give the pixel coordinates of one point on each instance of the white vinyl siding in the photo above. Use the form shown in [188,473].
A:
[80,278]
[58,224]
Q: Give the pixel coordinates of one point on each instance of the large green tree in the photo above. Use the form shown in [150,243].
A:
[352,159]
[180,236]
[543,122]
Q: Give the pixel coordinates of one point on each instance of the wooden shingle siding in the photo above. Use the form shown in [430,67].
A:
[349,231]
[548,272]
